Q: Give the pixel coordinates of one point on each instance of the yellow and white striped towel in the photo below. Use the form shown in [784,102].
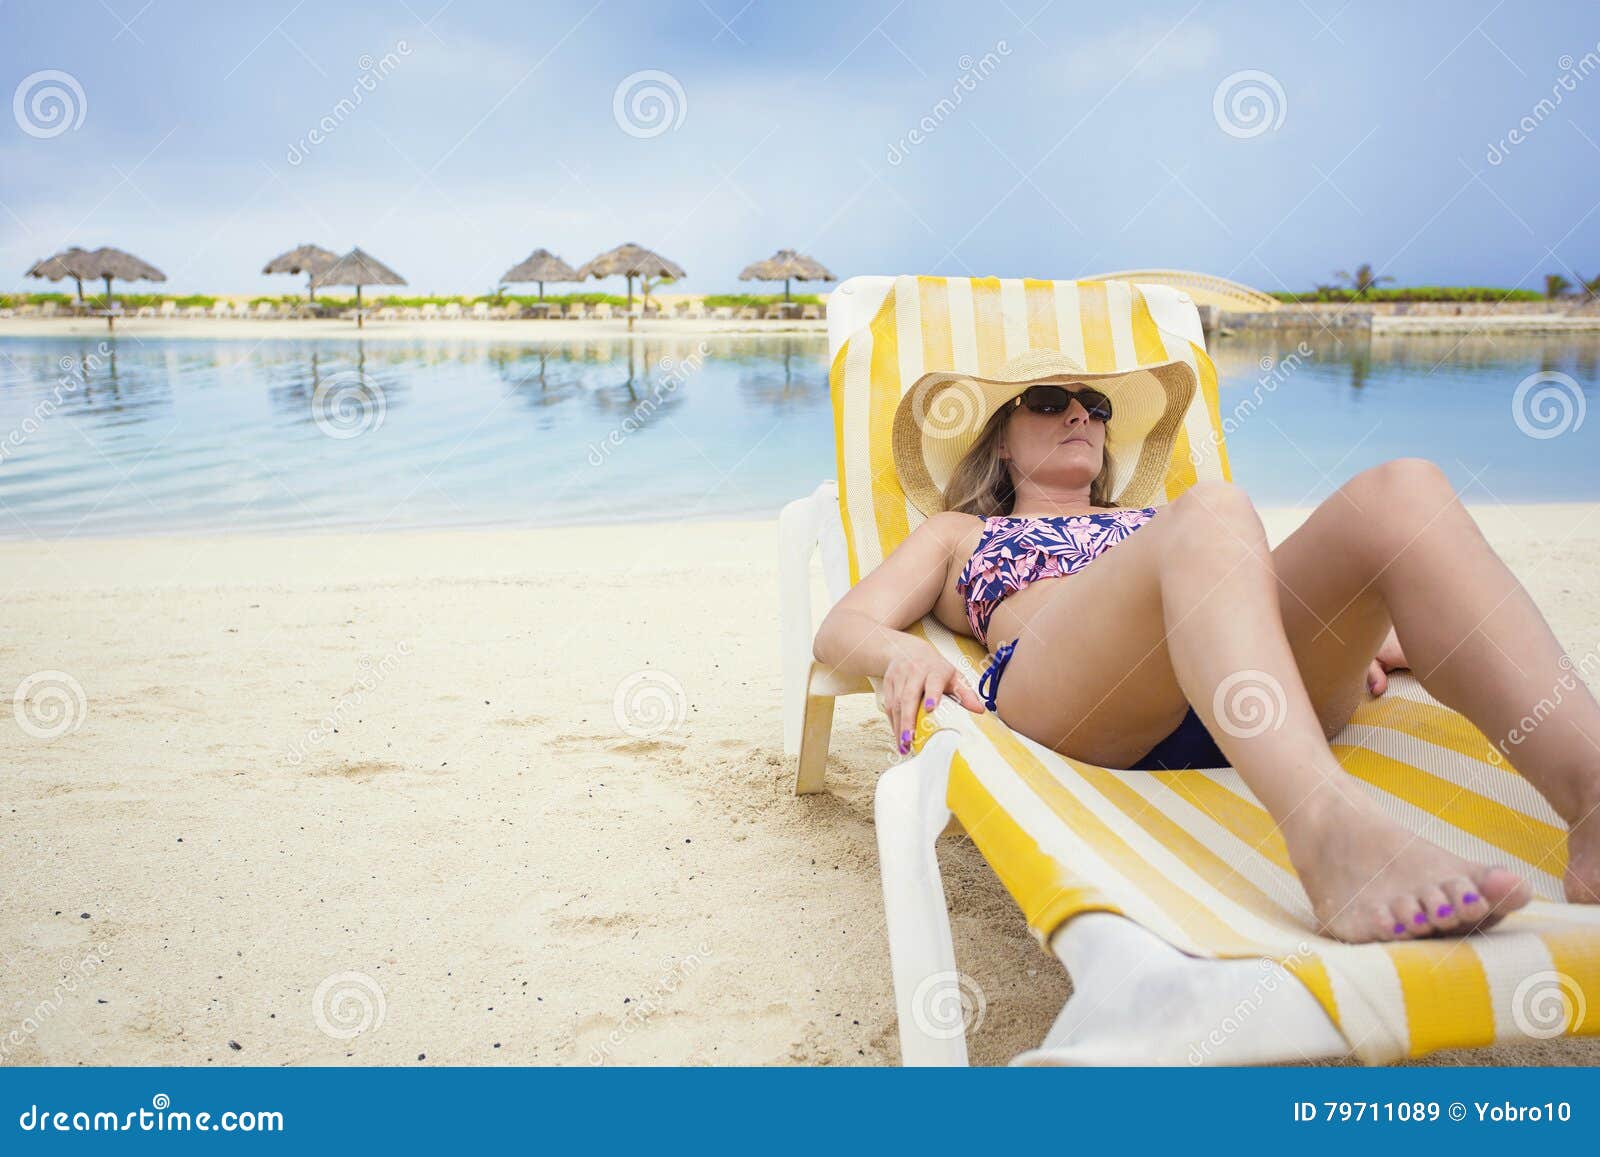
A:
[1191,855]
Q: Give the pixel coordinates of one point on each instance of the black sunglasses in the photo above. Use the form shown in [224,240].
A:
[1056,399]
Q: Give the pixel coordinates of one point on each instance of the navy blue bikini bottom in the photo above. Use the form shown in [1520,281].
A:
[1188,745]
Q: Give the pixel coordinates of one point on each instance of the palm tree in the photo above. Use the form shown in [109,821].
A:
[1556,286]
[1591,286]
[1363,280]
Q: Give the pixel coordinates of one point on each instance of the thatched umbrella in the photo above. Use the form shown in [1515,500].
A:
[71,263]
[630,261]
[307,259]
[109,263]
[357,268]
[541,266]
[786,265]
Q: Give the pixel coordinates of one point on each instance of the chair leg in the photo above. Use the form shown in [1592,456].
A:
[799,528]
[815,735]
[931,998]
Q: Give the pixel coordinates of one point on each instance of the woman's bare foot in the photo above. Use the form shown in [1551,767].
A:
[1583,857]
[1370,879]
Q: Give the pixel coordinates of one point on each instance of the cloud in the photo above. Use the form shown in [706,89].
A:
[1149,48]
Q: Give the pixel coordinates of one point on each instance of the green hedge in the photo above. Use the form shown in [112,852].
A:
[1414,293]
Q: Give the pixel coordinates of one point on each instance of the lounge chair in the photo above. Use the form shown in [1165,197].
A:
[195,311]
[48,309]
[773,313]
[1168,896]
[810,313]
[723,313]
[430,312]
[267,310]
[480,311]
[749,313]
[600,311]
[169,309]
[452,310]
[695,311]
[388,313]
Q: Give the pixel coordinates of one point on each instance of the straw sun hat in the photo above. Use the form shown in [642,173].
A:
[941,416]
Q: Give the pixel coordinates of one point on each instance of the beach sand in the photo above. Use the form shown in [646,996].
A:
[327,782]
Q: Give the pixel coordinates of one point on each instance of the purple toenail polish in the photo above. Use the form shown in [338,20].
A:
[1444,910]
[1469,897]
[1420,918]
[1399,928]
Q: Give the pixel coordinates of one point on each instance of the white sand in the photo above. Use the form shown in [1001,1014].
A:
[479,838]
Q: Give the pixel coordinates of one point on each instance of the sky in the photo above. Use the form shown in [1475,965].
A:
[1274,143]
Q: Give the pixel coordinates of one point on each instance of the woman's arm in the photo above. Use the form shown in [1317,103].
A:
[865,633]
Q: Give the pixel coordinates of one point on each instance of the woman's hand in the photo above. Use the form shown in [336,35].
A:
[1389,658]
[913,682]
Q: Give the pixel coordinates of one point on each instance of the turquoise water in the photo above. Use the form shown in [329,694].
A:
[142,436]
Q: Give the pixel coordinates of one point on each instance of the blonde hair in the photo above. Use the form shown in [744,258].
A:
[981,483]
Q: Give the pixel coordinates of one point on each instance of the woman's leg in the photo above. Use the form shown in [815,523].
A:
[1395,542]
[1188,609]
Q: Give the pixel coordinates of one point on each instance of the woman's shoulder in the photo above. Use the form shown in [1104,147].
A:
[950,526]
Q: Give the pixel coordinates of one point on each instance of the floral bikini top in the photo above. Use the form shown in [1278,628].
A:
[1016,551]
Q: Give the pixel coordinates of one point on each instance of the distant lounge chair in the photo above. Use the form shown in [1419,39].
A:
[773,313]
[749,313]
[430,312]
[388,313]
[810,313]
[266,310]
[452,310]
[48,309]
[195,311]
[480,311]
[411,313]
[169,309]
[602,311]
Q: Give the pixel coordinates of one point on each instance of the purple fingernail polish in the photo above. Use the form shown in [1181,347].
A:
[1445,910]
[1399,928]
[930,704]
[905,737]
[1469,897]
[1420,918]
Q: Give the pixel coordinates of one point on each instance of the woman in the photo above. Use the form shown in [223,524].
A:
[1135,657]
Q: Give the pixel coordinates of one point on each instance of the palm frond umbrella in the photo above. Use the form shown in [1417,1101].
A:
[357,268]
[786,265]
[541,266]
[71,263]
[109,263]
[630,261]
[308,259]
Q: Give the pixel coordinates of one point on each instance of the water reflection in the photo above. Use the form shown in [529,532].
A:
[217,434]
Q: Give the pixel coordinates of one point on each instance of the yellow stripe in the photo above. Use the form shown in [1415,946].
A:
[1198,858]
[840,388]
[1048,896]
[1313,973]
[1149,347]
[1208,387]
[1577,964]
[934,293]
[1197,921]
[1042,331]
[1250,822]
[888,499]
[1431,723]
[990,324]
[1530,840]
[1446,995]
[1094,315]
